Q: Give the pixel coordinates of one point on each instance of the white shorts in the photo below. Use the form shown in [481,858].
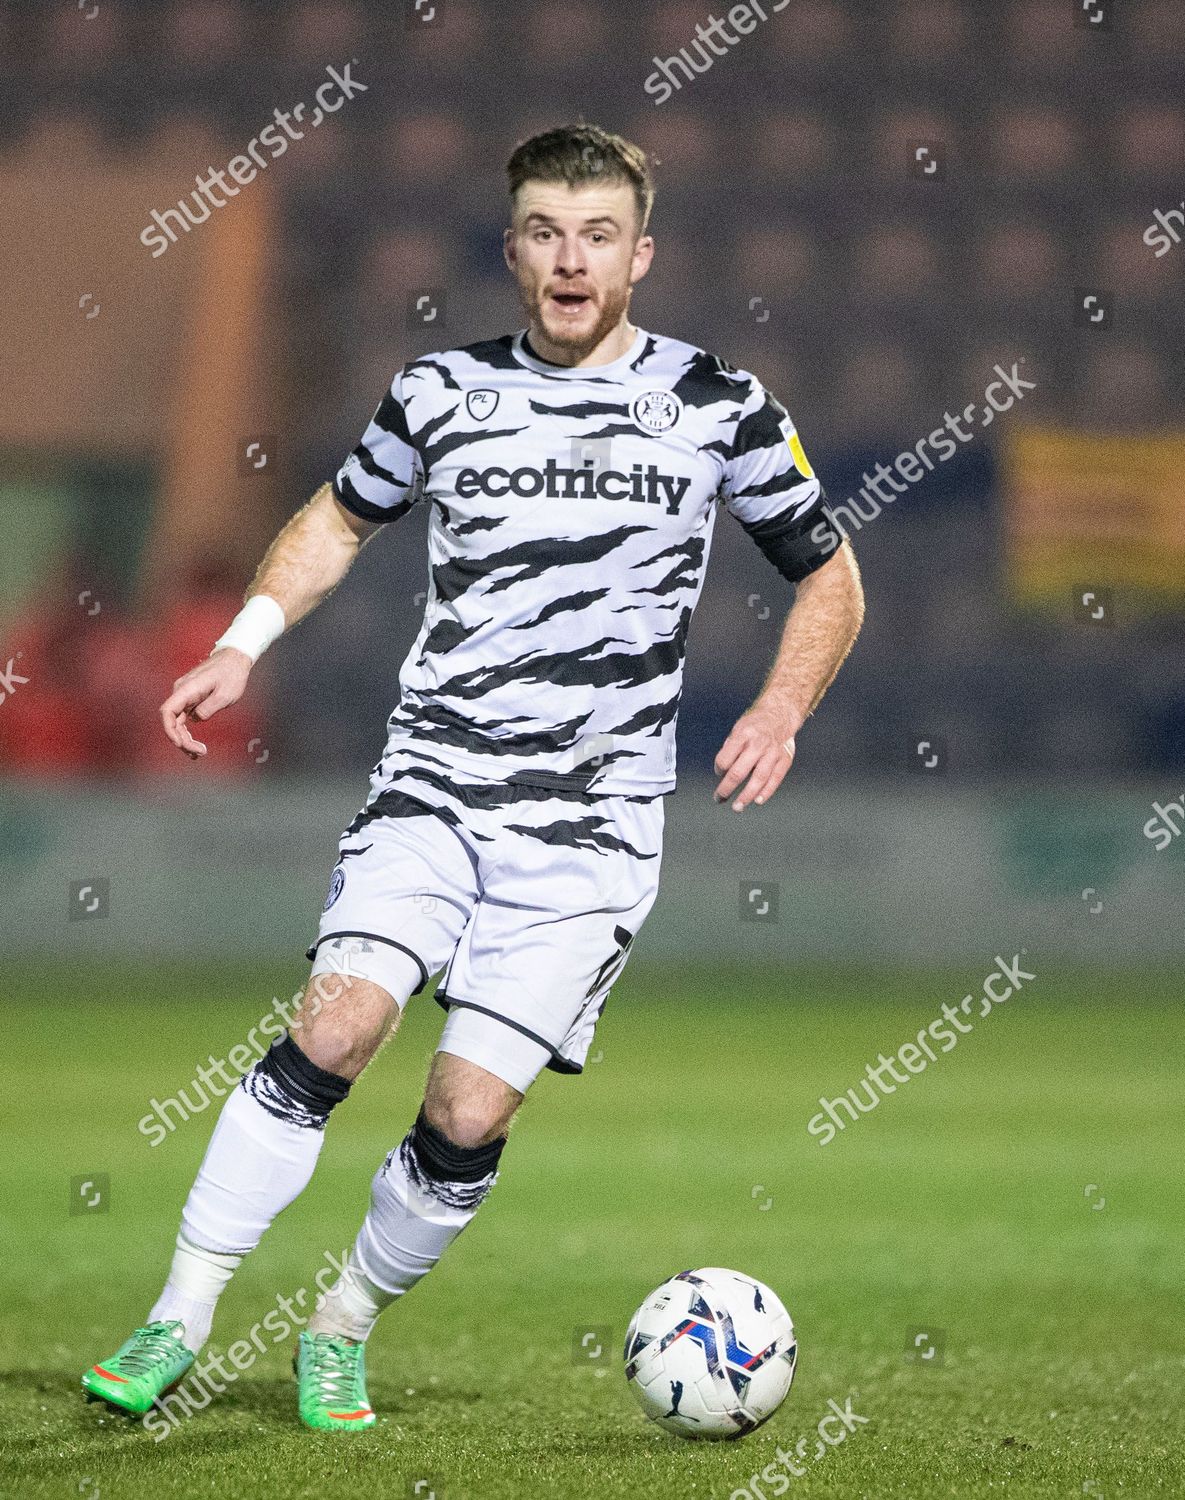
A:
[530,895]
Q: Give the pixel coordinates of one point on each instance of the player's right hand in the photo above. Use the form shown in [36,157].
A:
[214,684]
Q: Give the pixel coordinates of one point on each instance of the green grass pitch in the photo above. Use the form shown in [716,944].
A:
[1020,1202]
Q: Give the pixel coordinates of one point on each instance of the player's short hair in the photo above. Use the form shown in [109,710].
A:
[580,154]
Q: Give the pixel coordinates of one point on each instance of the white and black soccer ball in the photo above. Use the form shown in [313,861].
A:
[710,1354]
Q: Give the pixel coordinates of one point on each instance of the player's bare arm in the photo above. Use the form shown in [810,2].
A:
[820,630]
[307,560]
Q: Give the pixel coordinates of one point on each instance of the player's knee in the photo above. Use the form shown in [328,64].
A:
[467,1120]
[341,1027]
[467,1103]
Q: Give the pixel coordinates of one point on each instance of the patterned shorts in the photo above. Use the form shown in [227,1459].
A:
[527,896]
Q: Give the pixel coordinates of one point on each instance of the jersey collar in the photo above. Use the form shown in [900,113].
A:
[526,356]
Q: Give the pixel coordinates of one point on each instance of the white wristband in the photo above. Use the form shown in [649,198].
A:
[254,628]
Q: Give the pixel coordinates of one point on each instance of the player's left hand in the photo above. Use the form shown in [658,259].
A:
[758,752]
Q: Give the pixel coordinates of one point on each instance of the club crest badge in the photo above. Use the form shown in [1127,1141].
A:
[336,885]
[657,411]
[481,404]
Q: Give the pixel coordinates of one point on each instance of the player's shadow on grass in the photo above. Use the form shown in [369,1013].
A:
[274,1399]
[94,1428]
[227,1424]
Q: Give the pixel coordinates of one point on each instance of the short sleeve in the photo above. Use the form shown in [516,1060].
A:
[383,477]
[770,487]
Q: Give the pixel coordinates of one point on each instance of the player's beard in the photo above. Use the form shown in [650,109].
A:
[613,304]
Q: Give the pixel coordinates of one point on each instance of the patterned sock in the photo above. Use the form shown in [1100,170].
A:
[423,1195]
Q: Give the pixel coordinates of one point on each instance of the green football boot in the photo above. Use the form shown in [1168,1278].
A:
[331,1383]
[151,1362]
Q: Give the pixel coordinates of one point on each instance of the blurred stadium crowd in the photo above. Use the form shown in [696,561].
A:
[797,238]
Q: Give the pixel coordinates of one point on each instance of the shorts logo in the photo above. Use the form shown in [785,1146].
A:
[337,882]
[481,404]
[657,411]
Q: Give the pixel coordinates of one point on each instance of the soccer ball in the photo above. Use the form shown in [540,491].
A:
[710,1354]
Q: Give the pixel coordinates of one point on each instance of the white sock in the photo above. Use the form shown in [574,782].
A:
[412,1221]
[196,1281]
[254,1166]
[351,1306]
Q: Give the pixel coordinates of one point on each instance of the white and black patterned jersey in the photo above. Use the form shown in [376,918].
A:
[571,517]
